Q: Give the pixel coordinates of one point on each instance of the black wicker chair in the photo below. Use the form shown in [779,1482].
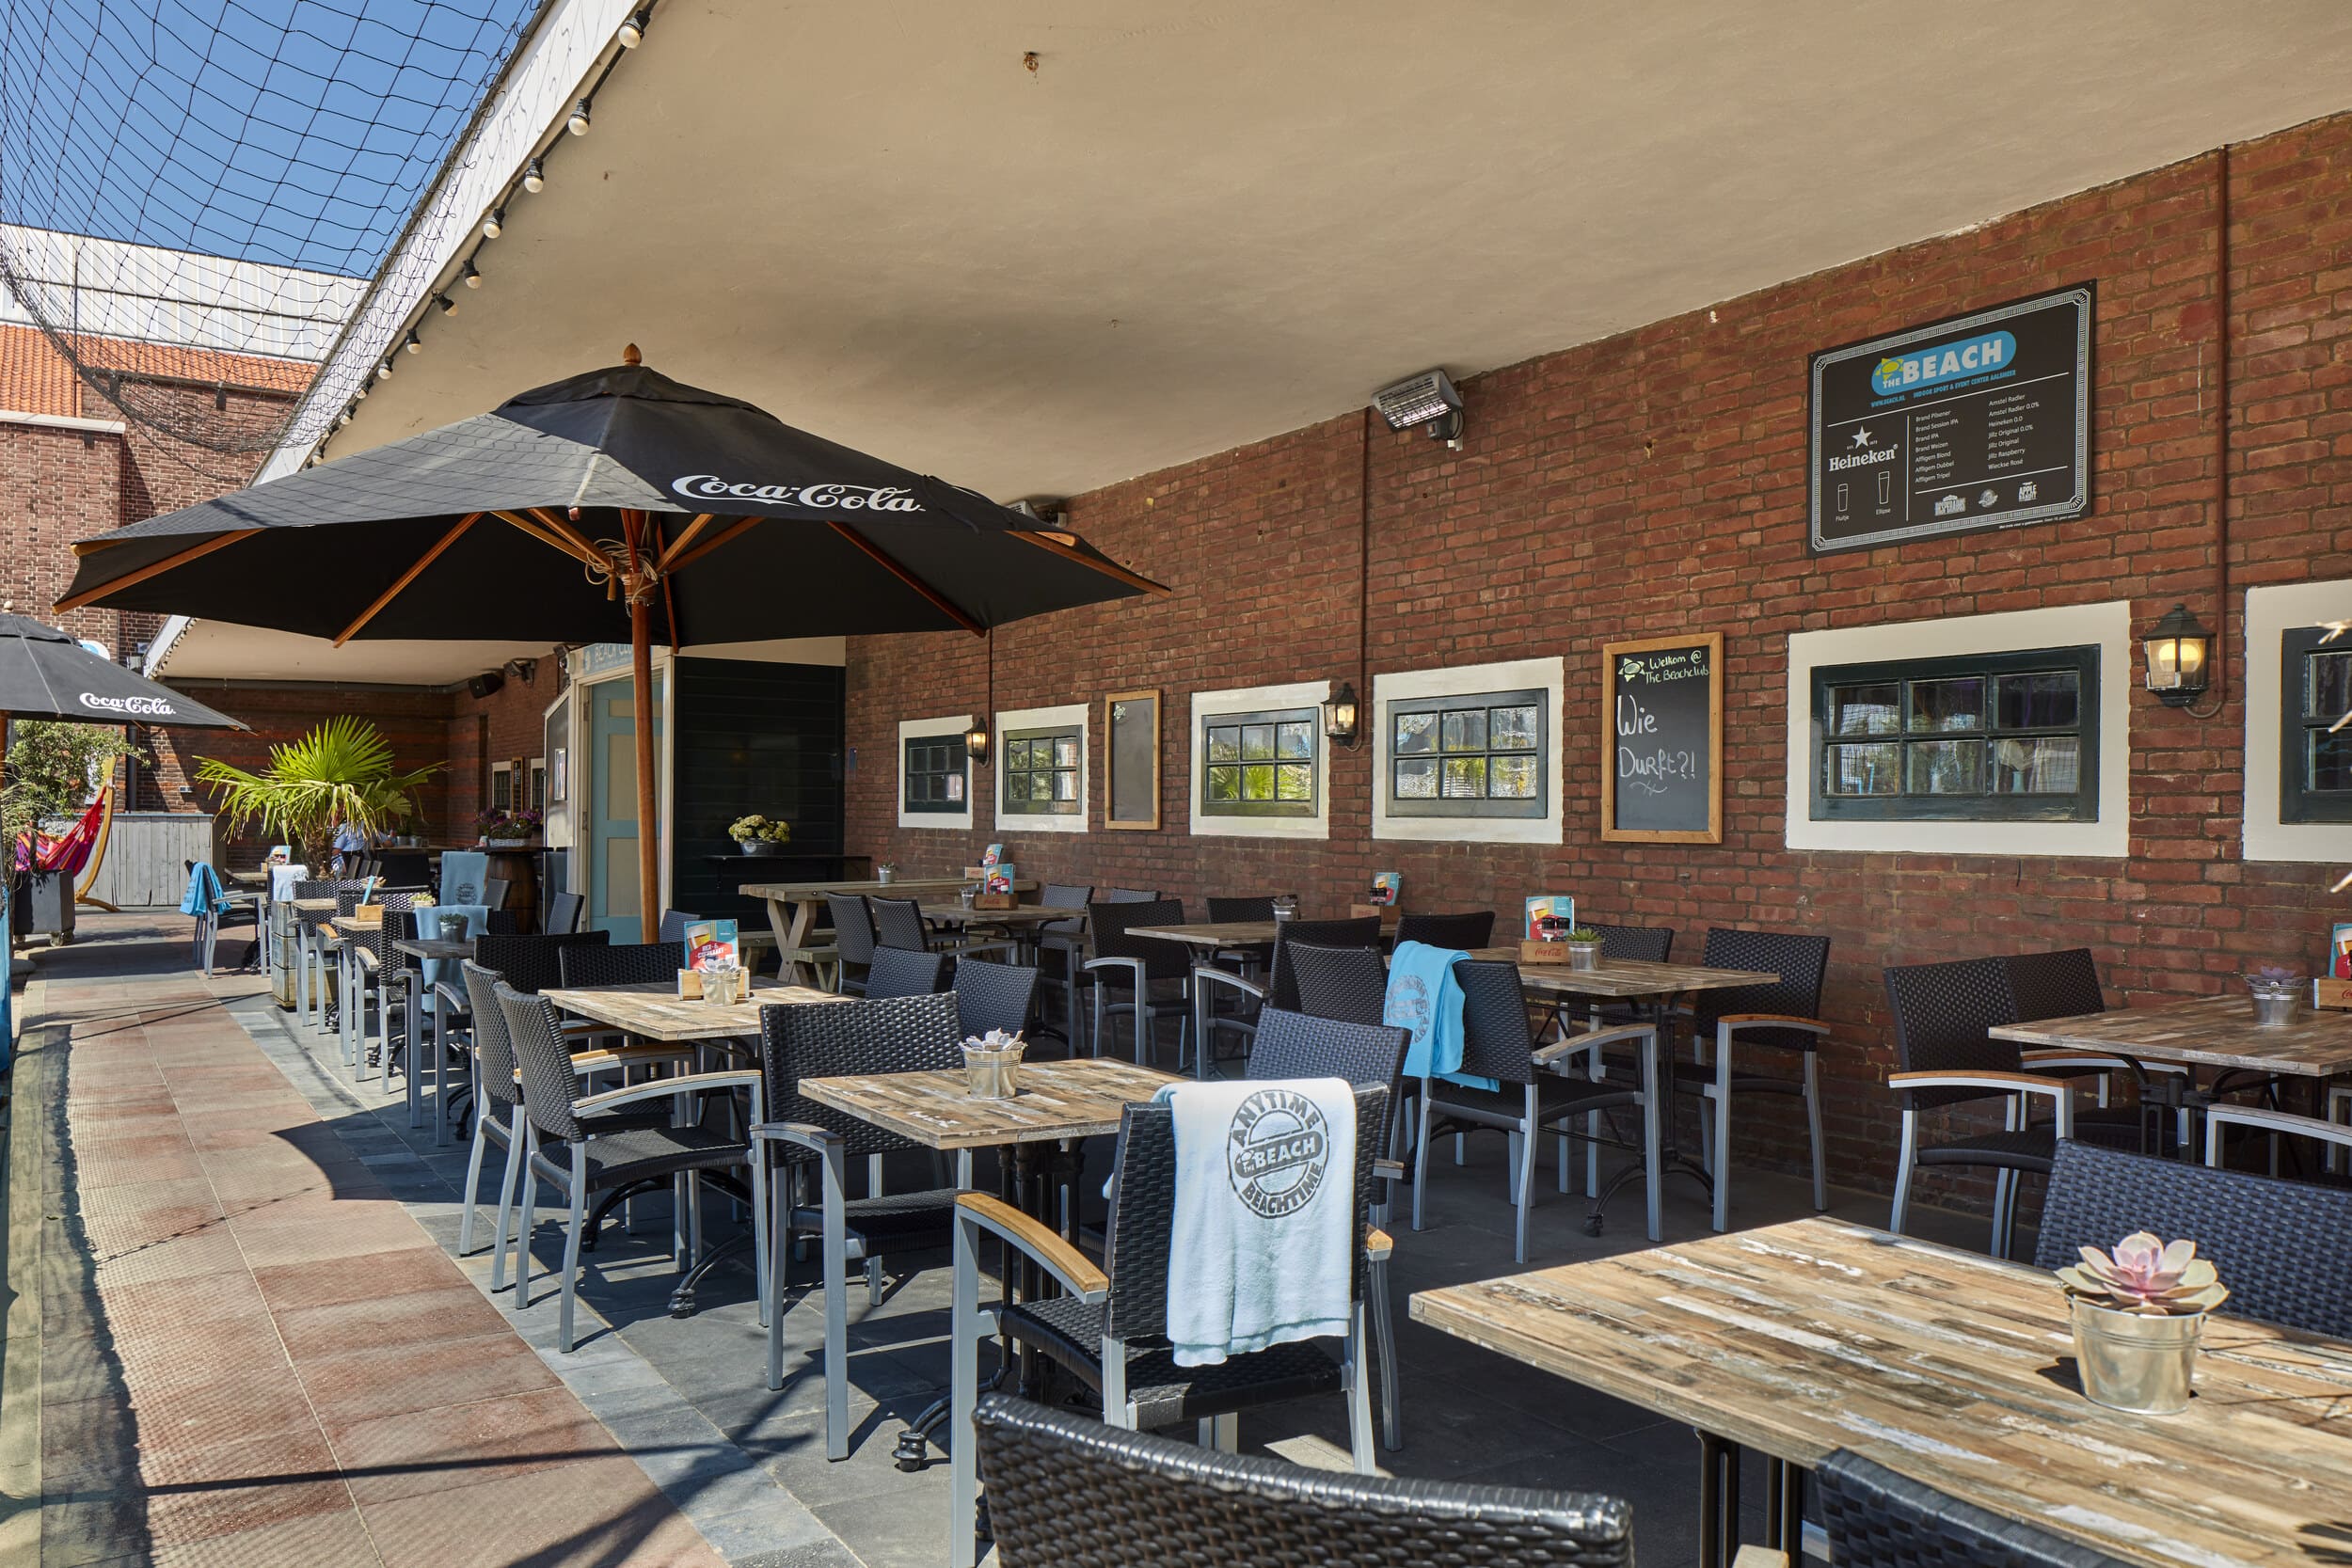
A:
[1109,1330]
[852,938]
[994,996]
[2065,983]
[1499,1043]
[1064,1488]
[1299,1045]
[1062,947]
[1776,1016]
[1229,910]
[1350,984]
[531,964]
[1144,967]
[898,923]
[1281,983]
[804,1139]
[563,913]
[1877,1519]
[1637,943]
[1462,932]
[904,971]
[2284,1248]
[582,1158]
[674,923]
[593,965]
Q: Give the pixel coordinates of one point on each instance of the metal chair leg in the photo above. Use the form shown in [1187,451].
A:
[1384,1347]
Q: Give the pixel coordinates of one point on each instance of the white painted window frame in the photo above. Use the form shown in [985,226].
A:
[2270,614]
[1207,705]
[1062,717]
[2107,624]
[1547,675]
[926,729]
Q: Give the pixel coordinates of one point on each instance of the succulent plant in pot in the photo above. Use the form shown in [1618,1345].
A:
[2137,1314]
[1583,948]
[2277,993]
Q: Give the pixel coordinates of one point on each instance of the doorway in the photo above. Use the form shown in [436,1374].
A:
[613,826]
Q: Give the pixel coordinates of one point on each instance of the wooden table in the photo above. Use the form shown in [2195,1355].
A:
[793,907]
[2210,1030]
[1625,979]
[434,948]
[1216,935]
[1949,1366]
[657,1012]
[1058,1101]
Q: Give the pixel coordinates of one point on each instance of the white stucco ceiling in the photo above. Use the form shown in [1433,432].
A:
[1199,223]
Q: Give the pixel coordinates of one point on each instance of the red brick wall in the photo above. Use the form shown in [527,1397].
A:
[509,726]
[1656,481]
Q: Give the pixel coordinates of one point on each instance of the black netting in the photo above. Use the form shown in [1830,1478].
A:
[242,167]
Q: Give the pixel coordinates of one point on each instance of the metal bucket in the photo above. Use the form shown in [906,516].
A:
[1584,954]
[992,1074]
[2130,1361]
[2276,1006]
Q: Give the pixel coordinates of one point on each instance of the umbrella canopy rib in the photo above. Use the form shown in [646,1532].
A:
[671,550]
[680,557]
[414,572]
[938,601]
[156,568]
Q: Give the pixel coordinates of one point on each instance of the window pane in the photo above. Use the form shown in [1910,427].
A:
[1065,785]
[1511,729]
[2328,764]
[1257,742]
[1416,733]
[2328,687]
[1416,778]
[1511,779]
[1953,705]
[1875,768]
[1224,784]
[1225,744]
[1016,753]
[1946,767]
[1464,777]
[1257,781]
[1863,710]
[2047,701]
[955,786]
[2049,766]
[1294,780]
[1296,738]
[1066,751]
[1466,731]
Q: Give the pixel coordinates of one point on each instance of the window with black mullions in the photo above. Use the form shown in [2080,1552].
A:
[1260,764]
[2315,757]
[1478,756]
[1041,772]
[932,774]
[2010,736]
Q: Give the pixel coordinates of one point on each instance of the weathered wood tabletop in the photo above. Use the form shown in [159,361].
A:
[792,908]
[2210,1030]
[434,947]
[1020,915]
[657,1012]
[1953,1368]
[1214,934]
[1623,979]
[1078,1098]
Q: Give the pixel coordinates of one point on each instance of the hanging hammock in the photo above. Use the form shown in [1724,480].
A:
[68,851]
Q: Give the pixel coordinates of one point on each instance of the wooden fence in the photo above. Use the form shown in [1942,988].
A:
[146,858]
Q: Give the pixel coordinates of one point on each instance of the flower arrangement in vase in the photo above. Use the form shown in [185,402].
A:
[759,835]
[501,826]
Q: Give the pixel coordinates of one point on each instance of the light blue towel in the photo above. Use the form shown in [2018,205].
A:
[282,878]
[1262,1242]
[463,872]
[204,895]
[429,924]
[1423,996]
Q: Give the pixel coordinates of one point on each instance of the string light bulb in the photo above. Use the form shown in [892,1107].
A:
[634,31]
[577,124]
[449,305]
[413,343]
[471,277]
[344,417]
[384,372]
[494,225]
[534,177]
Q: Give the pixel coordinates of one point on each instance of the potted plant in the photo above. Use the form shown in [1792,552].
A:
[759,835]
[498,826]
[885,872]
[1583,948]
[2137,1314]
[340,771]
[2278,995]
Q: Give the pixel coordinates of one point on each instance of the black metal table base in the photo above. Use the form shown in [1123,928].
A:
[1719,1504]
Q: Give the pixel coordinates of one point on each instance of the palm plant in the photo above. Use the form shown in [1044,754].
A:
[340,771]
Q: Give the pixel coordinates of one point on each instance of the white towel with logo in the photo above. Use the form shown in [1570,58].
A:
[1263,1246]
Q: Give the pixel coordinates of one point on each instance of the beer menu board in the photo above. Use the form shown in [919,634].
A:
[1662,738]
[1979,421]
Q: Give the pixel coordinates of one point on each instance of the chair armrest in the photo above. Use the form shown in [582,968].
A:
[1574,1045]
[1223,977]
[1377,1243]
[658,1088]
[819,1140]
[1387,1170]
[603,1059]
[1035,1240]
[1771,1021]
[2059,1091]
[1760,1557]
[1134,966]
[459,1001]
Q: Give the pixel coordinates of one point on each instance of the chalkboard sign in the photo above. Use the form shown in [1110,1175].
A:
[1977,421]
[1661,739]
[1131,793]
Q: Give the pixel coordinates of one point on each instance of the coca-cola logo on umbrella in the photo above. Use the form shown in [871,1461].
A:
[148,705]
[845,498]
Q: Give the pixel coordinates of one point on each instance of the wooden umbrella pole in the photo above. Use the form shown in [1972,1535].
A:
[641,587]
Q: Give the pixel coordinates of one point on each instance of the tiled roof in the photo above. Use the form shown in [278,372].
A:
[36,379]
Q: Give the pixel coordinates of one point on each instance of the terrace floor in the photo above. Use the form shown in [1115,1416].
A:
[243,1335]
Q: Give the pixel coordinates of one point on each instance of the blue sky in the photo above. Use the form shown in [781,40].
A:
[299,132]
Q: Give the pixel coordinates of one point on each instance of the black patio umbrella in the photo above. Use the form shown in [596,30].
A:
[44,674]
[687,517]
